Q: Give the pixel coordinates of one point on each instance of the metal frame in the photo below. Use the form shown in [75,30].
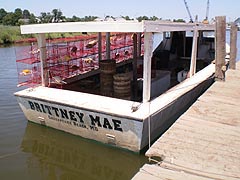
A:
[147,27]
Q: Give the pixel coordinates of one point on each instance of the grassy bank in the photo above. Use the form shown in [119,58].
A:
[11,34]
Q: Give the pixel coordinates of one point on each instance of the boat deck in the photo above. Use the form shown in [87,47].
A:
[204,142]
[124,108]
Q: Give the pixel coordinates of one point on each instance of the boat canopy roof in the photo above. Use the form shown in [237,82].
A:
[114,26]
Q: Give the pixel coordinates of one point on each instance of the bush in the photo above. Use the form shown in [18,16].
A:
[9,34]
[5,38]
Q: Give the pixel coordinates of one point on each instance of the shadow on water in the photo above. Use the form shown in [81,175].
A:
[30,151]
[58,155]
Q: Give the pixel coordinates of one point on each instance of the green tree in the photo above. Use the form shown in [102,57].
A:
[89,18]
[9,19]
[178,20]
[141,18]
[12,18]
[57,16]
[32,19]
[26,14]
[73,19]
[18,13]
[45,17]
[154,18]
[126,17]
[2,14]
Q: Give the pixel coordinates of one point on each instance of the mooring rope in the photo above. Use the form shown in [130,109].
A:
[149,125]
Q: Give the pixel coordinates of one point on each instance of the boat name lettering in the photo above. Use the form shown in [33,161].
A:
[57,112]
[76,118]
[106,123]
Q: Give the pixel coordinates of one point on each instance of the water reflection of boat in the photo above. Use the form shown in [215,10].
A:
[62,156]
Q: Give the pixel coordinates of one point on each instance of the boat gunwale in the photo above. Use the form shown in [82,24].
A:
[82,108]
[156,105]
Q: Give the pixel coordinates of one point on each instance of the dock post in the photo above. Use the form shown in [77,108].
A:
[135,56]
[99,46]
[220,43]
[233,46]
[41,40]
[139,37]
[194,52]
[108,44]
[148,47]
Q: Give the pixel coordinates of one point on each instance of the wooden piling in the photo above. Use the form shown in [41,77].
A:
[135,56]
[220,41]
[99,46]
[139,37]
[233,46]
[108,44]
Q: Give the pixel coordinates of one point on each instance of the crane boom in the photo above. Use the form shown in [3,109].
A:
[207,11]
[190,16]
[205,21]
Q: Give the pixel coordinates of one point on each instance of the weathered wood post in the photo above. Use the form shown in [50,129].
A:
[43,56]
[233,46]
[108,44]
[148,47]
[139,37]
[135,57]
[220,43]
[99,46]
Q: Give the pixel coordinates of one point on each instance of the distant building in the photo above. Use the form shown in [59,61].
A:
[24,21]
[99,19]
[237,21]
[110,18]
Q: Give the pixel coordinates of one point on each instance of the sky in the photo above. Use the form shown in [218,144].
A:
[165,9]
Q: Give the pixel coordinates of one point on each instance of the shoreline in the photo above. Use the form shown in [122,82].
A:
[55,40]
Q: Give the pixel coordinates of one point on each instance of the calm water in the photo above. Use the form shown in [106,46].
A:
[30,151]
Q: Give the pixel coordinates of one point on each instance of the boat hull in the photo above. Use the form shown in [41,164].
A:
[120,123]
[164,117]
[105,128]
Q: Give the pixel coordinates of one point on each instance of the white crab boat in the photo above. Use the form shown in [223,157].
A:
[132,123]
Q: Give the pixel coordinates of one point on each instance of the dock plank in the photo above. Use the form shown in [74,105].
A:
[220,99]
[205,140]
[215,112]
[155,172]
[238,65]
[233,74]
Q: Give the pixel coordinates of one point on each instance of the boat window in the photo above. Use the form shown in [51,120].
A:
[157,39]
[167,35]
[189,33]
[208,34]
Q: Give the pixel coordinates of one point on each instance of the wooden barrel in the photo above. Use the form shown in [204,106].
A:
[107,66]
[107,70]
[122,86]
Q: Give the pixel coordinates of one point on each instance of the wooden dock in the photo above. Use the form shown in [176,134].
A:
[204,143]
